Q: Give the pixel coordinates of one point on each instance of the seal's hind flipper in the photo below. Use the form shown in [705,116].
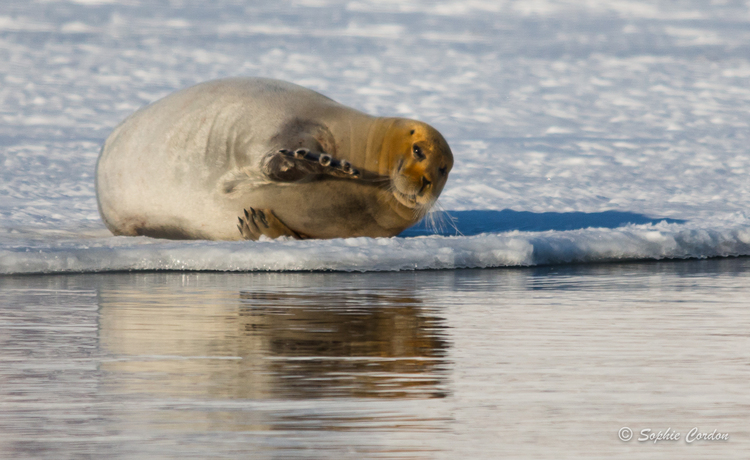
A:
[295,165]
[259,222]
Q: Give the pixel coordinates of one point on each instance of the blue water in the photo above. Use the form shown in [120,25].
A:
[475,222]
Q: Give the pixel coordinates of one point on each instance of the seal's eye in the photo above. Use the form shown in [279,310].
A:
[443,171]
[418,154]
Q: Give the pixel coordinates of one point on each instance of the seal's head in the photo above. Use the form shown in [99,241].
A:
[418,161]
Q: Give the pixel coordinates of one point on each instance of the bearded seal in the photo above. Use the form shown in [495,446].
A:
[240,158]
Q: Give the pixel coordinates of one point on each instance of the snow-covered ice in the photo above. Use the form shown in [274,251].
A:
[583,131]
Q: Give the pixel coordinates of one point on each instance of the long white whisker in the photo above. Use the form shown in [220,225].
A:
[435,217]
[441,219]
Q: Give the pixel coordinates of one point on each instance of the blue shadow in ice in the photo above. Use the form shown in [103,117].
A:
[476,222]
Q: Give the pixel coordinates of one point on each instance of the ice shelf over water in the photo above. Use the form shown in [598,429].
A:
[582,131]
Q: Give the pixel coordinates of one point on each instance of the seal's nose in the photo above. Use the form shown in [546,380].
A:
[425,185]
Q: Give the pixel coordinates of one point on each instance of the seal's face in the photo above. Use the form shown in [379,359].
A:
[420,160]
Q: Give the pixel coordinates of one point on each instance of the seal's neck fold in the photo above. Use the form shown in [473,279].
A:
[379,156]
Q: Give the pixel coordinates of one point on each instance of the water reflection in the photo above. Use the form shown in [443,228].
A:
[353,344]
[308,342]
[315,365]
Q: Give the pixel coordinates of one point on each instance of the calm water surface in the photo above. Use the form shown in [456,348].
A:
[525,363]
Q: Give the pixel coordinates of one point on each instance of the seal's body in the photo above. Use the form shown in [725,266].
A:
[278,159]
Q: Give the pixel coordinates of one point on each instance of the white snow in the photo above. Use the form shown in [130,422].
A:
[559,110]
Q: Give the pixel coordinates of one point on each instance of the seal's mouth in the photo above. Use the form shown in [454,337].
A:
[409,192]
[410,201]
[408,195]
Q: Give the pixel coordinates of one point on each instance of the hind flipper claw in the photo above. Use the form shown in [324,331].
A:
[264,222]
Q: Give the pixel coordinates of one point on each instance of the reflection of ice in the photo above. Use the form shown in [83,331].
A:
[327,365]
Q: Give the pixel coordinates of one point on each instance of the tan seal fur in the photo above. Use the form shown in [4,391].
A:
[244,157]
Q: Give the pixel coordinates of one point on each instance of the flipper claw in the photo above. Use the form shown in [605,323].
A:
[259,222]
[296,165]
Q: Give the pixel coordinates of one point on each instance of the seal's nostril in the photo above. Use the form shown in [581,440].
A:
[425,184]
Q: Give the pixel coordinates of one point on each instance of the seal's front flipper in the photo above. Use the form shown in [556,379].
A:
[291,166]
[259,222]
